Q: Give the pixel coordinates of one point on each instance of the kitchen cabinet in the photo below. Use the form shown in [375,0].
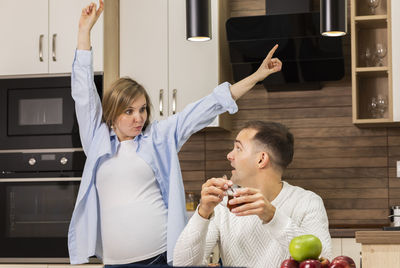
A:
[347,247]
[379,248]
[40,37]
[336,247]
[154,51]
[375,87]
[63,29]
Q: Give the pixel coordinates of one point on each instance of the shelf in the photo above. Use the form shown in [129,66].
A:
[372,71]
[366,40]
[361,8]
[373,21]
[372,121]
[371,85]
[374,98]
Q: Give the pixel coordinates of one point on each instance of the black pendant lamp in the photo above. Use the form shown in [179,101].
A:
[333,17]
[198,17]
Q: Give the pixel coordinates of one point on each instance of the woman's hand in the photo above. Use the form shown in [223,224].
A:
[88,18]
[268,66]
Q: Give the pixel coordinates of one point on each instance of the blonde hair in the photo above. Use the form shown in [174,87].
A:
[120,96]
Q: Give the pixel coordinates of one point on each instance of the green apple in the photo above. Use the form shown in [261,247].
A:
[305,247]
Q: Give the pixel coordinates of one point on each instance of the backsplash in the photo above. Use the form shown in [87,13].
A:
[353,169]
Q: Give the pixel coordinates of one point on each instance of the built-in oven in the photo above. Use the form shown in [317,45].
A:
[41,164]
[39,113]
[38,190]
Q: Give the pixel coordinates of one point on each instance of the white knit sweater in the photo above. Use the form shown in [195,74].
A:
[245,241]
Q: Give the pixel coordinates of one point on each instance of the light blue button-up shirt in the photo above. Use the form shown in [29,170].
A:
[158,146]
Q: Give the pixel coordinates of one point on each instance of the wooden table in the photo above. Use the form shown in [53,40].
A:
[379,248]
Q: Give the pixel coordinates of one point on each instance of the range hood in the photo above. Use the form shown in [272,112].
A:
[308,57]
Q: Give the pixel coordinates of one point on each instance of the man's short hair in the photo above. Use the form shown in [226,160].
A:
[276,138]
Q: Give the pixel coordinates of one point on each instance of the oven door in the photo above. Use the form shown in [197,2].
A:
[35,215]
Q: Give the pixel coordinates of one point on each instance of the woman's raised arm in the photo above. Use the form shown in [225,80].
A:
[88,18]
[268,66]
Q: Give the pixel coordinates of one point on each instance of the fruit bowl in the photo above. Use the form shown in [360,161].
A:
[305,252]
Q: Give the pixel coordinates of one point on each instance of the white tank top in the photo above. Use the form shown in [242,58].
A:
[132,213]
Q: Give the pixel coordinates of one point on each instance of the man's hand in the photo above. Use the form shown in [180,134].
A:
[250,201]
[212,192]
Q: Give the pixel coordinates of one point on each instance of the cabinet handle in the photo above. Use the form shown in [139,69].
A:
[54,47]
[41,47]
[161,102]
[174,101]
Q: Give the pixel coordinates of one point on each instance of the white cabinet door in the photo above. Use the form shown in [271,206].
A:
[154,52]
[193,66]
[144,48]
[40,37]
[336,247]
[23,31]
[63,33]
[346,247]
[352,249]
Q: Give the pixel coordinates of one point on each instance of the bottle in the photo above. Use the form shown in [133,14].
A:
[190,202]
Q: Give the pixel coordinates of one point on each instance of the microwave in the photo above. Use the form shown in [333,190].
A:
[39,113]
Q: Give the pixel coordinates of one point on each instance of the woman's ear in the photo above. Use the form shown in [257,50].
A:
[263,160]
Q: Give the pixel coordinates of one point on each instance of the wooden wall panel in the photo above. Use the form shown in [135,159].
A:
[247,8]
[192,161]
[353,169]
[394,156]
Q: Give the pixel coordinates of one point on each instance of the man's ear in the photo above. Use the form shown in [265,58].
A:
[263,160]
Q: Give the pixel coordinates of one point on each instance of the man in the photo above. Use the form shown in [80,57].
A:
[269,214]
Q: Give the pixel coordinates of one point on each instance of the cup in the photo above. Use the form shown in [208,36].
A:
[230,193]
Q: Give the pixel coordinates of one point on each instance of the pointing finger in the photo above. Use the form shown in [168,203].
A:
[271,53]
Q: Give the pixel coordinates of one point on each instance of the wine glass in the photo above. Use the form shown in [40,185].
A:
[381,105]
[373,4]
[367,57]
[380,53]
[373,107]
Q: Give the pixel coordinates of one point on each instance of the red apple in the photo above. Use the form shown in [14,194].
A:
[310,264]
[289,263]
[324,262]
[342,262]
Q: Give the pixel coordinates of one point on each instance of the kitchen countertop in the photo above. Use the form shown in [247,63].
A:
[378,237]
[350,232]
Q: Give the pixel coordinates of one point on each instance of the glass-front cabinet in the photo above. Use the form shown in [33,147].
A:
[376,92]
